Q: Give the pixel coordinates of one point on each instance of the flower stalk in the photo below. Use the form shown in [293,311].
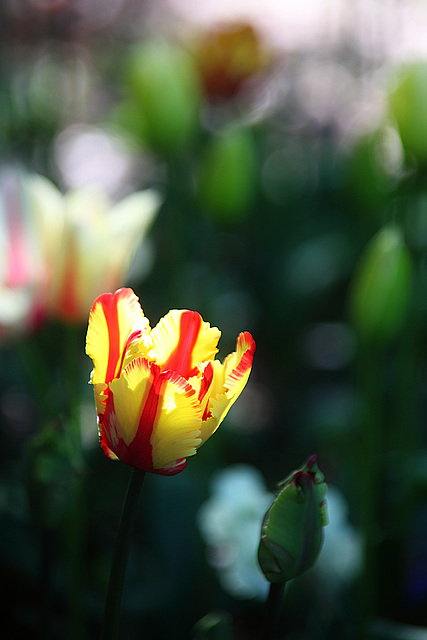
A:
[272,611]
[111,621]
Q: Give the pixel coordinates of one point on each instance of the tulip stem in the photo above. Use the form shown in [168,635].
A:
[110,627]
[272,610]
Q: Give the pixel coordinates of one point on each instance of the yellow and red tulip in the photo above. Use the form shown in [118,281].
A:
[159,393]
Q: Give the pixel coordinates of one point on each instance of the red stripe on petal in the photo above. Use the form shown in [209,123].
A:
[135,335]
[245,363]
[177,467]
[246,337]
[107,432]
[139,451]
[206,381]
[108,302]
[205,384]
[106,449]
[180,360]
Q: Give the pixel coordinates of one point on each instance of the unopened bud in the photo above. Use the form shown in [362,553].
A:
[227,174]
[292,531]
[380,294]
[408,104]
[164,82]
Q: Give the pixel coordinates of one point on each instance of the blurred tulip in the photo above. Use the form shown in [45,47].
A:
[227,57]
[381,289]
[23,267]
[408,105]
[292,531]
[227,174]
[98,244]
[59,252]
[160,394]
[164,84]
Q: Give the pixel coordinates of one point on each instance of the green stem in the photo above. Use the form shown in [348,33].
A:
[118,568]
[272,611]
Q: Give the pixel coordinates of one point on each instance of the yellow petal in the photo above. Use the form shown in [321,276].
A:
[132,404]
[129,392]
[177,432]
[181,339]
[228,382]
[238,364]
[152,419]
[113,319]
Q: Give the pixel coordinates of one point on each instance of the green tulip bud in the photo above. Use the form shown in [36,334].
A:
[129,116]
[373,169]
[165,83]
[227,174]
[292,530]
[381,289]
[408,106]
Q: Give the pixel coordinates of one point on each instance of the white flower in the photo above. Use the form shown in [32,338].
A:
[230,523]
[340,558]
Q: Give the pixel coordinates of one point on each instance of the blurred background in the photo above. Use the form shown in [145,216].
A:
[266,165]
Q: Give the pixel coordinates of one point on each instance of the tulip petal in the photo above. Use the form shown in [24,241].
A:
[181,339]
[177,432]
[113,318]
[152,419]
[238,364]
[130,413]
[228,383]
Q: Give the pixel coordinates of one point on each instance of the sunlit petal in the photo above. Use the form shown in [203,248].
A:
[228,382]
[113,318]
[130,393]
[177,432]
[181,339]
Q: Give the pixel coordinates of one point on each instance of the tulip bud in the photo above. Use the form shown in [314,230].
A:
[292,534]
[227,174]
[164,82]
[374,167]
[380,293]
[408,104]
[129,116]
